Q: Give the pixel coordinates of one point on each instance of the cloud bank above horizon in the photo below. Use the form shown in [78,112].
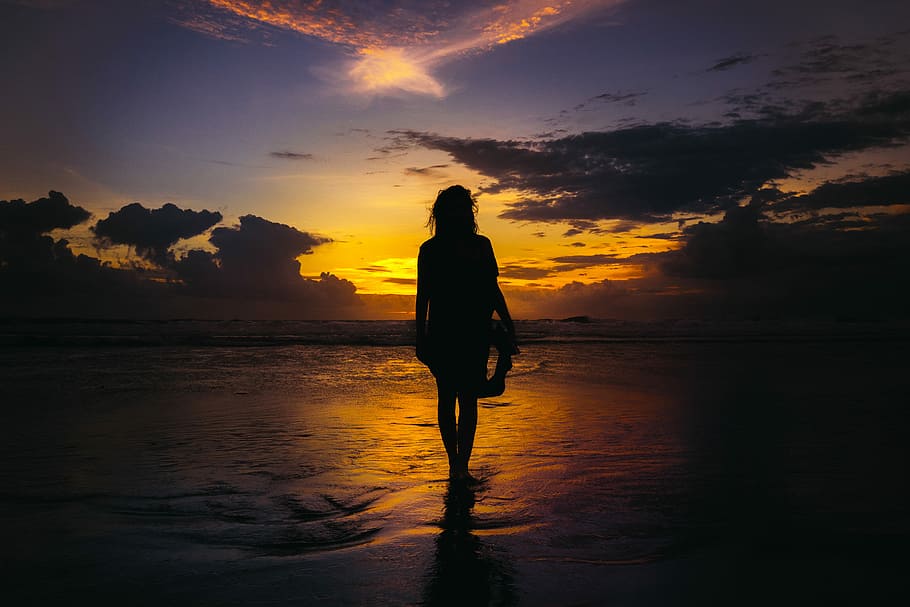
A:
[252,268]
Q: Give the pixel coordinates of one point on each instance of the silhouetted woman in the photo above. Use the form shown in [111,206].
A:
[457,292]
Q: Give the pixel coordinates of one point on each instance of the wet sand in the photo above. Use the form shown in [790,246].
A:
[612,473]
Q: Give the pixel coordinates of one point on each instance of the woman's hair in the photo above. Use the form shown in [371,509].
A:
[453,212]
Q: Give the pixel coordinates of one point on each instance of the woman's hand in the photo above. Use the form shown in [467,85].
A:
[513,342]
[423,350]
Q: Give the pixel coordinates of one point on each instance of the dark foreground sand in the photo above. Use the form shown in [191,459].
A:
[613,474]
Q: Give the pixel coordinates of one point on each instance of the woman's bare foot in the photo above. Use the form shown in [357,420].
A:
[462,475]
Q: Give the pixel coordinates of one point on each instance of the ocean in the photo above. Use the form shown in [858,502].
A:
[190,462]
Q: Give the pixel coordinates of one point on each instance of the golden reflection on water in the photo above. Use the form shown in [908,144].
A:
[549,439]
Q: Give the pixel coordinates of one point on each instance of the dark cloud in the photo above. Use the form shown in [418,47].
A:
[48,279]
[288,155]
[886,190]
[429,171]
[648,172]
[580,226]
[394,147]
[840,266]
[550,134]
[523,272]
[622,226]
[401,281]
[23,245]
[761,103]
[255,259]
[153,231]
[828,56]
[41,275]
[625,98]
[732,61]
[386,155]
[573,262]
[260,241]
[619,96]
[661,236]
[40,216]
[830,71]
[734,247]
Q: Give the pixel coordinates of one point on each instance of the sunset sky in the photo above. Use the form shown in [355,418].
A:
[634,159]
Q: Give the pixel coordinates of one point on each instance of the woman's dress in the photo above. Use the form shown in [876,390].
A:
[459,276]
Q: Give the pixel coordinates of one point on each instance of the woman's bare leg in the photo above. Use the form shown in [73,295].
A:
[445,416]
[467,426]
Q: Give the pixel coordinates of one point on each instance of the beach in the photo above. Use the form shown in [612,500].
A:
[303,465]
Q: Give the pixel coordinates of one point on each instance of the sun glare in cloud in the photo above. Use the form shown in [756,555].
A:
[377,70]
[394,45]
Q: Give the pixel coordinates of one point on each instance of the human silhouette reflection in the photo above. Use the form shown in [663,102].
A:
[465,571]
[457,293]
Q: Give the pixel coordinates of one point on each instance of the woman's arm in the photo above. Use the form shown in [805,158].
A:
[502,310]
[423,303]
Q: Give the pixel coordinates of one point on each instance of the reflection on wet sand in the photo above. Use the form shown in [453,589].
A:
[464,570]
[641,473]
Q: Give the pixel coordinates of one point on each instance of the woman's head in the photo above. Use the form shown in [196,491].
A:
[453,212]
